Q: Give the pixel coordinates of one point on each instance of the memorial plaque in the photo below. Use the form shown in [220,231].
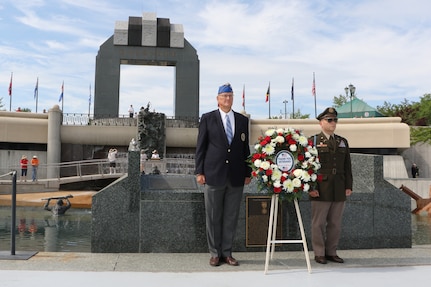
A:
[258,209]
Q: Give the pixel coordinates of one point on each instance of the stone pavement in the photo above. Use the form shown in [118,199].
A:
[385,267]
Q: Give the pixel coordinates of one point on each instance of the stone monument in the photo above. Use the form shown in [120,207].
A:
[151,132]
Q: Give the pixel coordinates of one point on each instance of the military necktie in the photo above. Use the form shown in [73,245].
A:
[333,143]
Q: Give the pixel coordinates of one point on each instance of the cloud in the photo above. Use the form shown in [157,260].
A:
[380,46]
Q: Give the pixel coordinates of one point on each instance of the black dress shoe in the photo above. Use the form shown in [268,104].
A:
[231,261]
[214,261]
[320,259]
[334,258]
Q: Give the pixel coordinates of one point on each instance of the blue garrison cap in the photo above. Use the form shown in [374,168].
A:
[226,88]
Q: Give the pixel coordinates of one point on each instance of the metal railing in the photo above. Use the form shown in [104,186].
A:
[80,119]
[72,168]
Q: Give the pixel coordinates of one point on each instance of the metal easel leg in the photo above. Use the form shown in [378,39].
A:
[304,240]
[274,226]
[270,227]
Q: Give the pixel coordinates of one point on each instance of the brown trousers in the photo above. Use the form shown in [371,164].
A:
[326,218]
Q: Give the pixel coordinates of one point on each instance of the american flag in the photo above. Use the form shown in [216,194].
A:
[313,89]
[10,85]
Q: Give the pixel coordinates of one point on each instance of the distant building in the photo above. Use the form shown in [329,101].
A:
[357,109]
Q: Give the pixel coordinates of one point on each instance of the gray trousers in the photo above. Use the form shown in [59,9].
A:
[326,218]
[222,204]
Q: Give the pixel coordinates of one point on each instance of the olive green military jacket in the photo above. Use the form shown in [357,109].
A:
[336,168]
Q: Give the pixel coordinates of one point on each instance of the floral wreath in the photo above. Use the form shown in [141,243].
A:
[285,162]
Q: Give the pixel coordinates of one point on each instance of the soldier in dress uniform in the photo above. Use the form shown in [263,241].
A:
[328,199]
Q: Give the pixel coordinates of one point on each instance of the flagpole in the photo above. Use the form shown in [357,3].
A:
[269,100]
[10,92]
[314,94]
[293,102]
[62,96]
[89,104]
[36,92]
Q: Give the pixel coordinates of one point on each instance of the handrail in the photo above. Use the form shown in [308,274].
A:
[82,119]
[76,168]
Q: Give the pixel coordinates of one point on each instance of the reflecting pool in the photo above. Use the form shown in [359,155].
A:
[39,230]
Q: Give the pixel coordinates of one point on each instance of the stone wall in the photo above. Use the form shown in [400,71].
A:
[165,213]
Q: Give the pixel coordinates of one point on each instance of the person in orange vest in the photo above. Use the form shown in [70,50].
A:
[24,164]
[34,165]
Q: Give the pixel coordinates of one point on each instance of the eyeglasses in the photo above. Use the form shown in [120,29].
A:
[226,95]
[329,120]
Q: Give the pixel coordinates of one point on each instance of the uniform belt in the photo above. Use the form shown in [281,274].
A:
[331,171]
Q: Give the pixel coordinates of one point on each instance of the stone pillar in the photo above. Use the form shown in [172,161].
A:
[54,142]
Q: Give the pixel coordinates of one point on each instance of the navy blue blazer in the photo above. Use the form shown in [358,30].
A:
[218,160]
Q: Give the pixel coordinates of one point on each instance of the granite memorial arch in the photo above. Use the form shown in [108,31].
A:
[147,40]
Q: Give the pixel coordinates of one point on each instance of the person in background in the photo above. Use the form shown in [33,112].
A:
[222,151]
[34,166]
[155,155]
[131,111]
[415,171]
[112,158]
[328,199]
[24,165]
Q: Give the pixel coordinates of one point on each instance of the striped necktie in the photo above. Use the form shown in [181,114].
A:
[229,133]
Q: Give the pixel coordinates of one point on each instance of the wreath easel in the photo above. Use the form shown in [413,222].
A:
[272,230]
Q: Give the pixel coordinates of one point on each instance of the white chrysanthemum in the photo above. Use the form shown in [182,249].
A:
[297,173]
[270,132]
[312,150]
[257,147]
[279,139]
[316,165]
[265,165]
[303,141]
[288,185]
[305,176]
[257,163]
[295,136]
[280,131]
[277,183]
[296,182]
[276,174]
[306,187]
[293,147]
[291,131]
[265,178]
[308,155]
[268,149]
[313,177]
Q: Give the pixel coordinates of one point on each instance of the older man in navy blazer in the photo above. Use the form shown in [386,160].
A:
[221,165]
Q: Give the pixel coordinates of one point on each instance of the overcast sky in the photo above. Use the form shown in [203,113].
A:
[379,46]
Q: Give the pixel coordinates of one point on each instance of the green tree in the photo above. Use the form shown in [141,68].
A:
[408,112]
[416,114]
[299,115]
[340,100]
[420,134]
